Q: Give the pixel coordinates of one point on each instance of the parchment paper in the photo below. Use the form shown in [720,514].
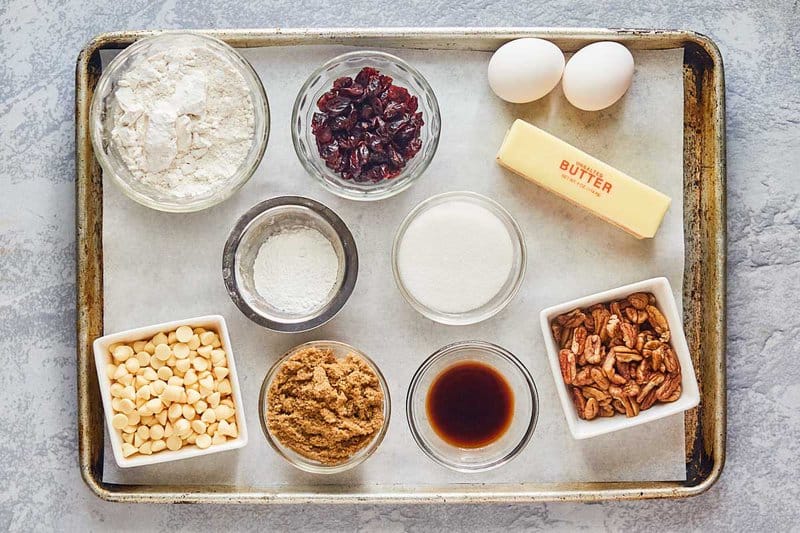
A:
[161,267]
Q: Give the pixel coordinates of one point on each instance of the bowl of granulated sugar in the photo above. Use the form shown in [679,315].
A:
[290,264]
[458,258]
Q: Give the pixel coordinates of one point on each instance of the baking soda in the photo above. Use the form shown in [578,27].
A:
[295,270]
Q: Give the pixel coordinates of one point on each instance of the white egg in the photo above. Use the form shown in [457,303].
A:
[525,70]
[598,75]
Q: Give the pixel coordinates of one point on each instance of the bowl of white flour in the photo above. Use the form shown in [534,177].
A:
[179,121]
[290,264]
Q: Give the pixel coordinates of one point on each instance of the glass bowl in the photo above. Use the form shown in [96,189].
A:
[498,452]
[506,292]
[340,350]
[101,123]
[321,81]
[269,218]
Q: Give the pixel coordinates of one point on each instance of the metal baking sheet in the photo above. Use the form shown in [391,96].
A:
[449,39]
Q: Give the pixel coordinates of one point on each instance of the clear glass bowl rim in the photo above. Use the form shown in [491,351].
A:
[399,185]
[495,350]
[301,462]
[472,316]
[245,171]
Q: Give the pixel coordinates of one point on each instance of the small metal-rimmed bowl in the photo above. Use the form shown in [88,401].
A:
[104,102]
[321,81]
[340,350]
[498,452]
[506,292]
[273,216]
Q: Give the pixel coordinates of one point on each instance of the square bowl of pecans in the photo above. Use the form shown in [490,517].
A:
[619,358]
[170,391]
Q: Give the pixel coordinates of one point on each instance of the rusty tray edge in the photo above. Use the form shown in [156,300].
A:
[704,284]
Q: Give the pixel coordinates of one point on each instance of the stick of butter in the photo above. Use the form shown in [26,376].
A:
[580,178]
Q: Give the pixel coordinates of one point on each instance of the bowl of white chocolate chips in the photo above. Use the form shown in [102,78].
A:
[170,391]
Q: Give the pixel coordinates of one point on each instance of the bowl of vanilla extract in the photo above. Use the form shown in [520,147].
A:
[472,406]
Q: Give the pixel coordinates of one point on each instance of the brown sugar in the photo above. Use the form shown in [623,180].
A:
[324,408]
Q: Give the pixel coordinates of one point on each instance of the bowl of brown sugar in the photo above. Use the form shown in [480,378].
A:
[324,407]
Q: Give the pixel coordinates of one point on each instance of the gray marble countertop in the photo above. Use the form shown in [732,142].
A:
[41,488]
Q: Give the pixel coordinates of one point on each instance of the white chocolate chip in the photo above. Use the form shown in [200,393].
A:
[162,352]
[128,449]
[200,364]
[146,448]
[221,372]
[180,350]
[126,406]
[122,353]
[132,365]
[198,426]
[182,428]
[194,342]
[159,338]
[133,418]
[200,406]
[174,442]
[158,445]
[213,400]
[192,396]
[223,412]
[154,405]
[119,421]
[157,387]
[183,365]
[184,333]
[208,416]
[143,358]
[224,387]
[156,432]
[120,371]
[175,411]
[203,441]
[188,412]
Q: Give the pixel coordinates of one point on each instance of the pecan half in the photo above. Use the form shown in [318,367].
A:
[568,369]
[591,409]
[637,316]
[657,320]
[593,351]
[639,300]
[578,340]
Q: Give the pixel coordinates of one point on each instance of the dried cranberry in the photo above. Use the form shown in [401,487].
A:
[367,128]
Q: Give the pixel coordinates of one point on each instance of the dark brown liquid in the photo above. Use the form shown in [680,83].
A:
[470,405]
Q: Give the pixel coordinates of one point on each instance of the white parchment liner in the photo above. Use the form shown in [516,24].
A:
[161,267]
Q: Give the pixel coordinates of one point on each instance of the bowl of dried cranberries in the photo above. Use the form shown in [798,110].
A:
[366,125]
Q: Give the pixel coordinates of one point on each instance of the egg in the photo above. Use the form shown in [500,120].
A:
[597,75]
[525,70]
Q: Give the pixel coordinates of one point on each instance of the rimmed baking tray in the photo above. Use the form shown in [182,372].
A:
[703,290]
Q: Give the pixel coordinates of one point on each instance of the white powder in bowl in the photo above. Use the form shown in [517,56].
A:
[455,257]
[295,270]
[183,121]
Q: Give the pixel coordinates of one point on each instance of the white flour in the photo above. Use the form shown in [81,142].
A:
[296,270]
[184,121]
[455,257]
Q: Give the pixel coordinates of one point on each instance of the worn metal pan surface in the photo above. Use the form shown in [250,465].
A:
[703,290]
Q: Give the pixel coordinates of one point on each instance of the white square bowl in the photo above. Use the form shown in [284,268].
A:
[665,301]
[101,358]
